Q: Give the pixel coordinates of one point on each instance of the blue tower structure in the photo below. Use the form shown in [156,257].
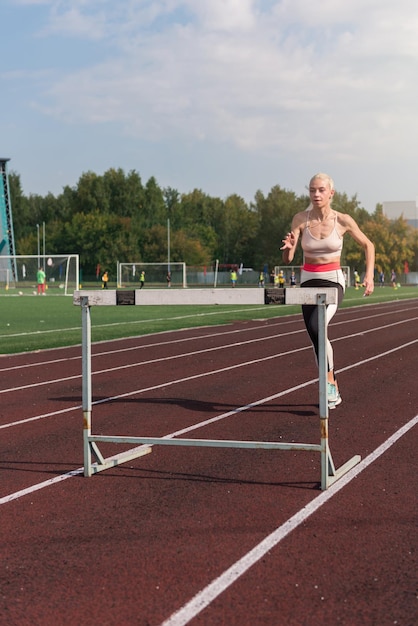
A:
[7,241]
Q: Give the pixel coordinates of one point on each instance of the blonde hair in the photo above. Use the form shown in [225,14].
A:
[325,177]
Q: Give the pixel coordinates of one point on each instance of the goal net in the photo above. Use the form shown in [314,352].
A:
[61,271]
[156,274]
[288,269]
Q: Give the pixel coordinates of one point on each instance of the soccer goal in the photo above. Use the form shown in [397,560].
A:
[156,274]
[288,269]
[6,276]
[61,272]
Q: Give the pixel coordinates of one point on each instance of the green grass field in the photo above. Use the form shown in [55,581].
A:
[29,322]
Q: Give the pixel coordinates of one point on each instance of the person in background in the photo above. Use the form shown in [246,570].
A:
[168,279]
[357,281]
[142,279]
[41,281]
[233,277]
[105,280]
[393,279]
[321,230]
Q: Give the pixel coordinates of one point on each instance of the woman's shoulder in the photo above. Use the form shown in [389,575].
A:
[344,219]
[300,218]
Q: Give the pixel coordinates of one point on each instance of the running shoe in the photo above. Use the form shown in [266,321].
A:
[334,398]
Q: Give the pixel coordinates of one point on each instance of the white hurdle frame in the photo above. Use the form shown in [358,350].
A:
[317,296]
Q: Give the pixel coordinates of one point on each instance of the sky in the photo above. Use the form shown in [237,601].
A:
[226,96]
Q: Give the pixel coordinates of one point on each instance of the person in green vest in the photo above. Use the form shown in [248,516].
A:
[233,277]
[41,281]
[142,279]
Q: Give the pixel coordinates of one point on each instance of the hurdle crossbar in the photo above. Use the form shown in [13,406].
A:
[222,296]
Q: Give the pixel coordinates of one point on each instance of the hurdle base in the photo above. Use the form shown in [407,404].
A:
[336,474]
[112,461]
[329,473]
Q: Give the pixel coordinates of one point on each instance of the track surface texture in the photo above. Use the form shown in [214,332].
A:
[212,536]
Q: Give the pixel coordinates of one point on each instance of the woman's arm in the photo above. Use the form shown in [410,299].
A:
[290,242]
[357,234]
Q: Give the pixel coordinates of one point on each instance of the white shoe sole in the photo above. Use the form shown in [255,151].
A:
[335,403]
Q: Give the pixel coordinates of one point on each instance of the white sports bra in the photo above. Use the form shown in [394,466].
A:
[329,247]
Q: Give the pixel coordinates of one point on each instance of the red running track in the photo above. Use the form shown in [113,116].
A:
[214,536]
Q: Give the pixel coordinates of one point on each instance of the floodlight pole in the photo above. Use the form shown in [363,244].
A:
[168,244]
[39,246]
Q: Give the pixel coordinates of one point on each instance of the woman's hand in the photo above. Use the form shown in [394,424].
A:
[288,241]
[369,286]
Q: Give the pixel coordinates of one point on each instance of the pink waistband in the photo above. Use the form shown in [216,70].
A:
[321,267]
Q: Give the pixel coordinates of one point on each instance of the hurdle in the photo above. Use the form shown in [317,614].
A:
[95,462]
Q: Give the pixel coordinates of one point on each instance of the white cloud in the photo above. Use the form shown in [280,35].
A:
[288,77]
[245,76]
[225,15]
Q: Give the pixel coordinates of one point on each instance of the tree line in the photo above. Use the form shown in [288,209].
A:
[116,217]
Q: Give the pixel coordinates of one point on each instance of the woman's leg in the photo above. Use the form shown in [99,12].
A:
[310,316]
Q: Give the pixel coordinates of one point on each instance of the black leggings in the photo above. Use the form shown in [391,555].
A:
[310,316]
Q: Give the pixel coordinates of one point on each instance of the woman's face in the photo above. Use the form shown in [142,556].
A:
[320,192]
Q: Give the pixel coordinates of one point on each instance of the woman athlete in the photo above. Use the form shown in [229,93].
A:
[321,231]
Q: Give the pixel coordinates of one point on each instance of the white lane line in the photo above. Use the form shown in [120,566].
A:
[193,427]
[202,599]
[203,351]
[204,374]
[132,348]
[36,418]
[128,323]
[158,360]
[38,486]
[283,321]
[138,347]
[159,386]
[211,420]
